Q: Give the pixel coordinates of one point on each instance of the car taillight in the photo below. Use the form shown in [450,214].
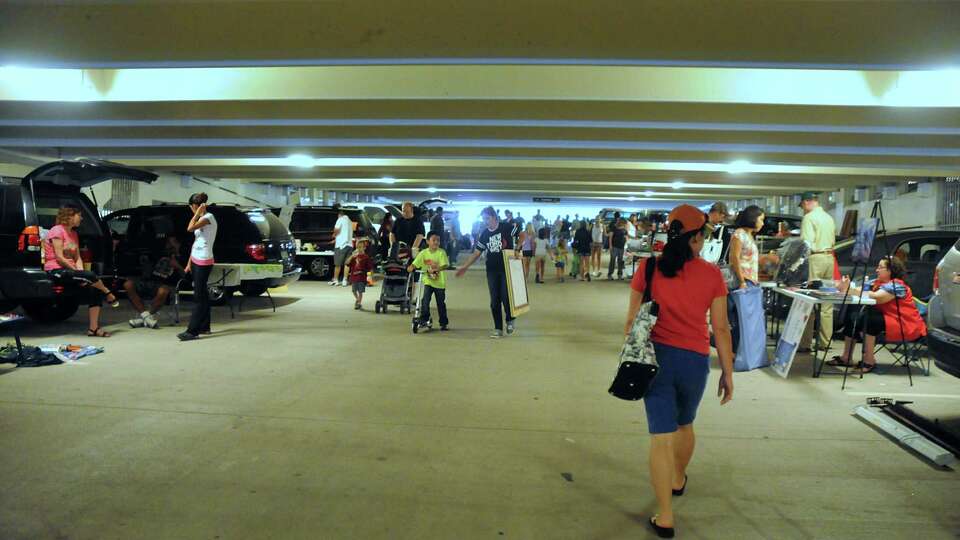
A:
[257,252]
[29,239]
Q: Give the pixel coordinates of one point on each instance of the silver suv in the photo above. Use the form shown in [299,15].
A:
[944,315]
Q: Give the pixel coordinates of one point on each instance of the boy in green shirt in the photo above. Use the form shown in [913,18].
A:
[433,261]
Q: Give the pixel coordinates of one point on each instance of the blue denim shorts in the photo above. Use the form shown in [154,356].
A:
[675,393]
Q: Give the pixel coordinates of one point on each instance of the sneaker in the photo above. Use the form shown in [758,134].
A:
[356,306]
[151,322]
[510,328]
[136,323]
[444,328]
[343,283]
[496,334]
[332,282]
[187,336]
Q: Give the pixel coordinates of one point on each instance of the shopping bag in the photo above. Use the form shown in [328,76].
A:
[638,360]
[752,348]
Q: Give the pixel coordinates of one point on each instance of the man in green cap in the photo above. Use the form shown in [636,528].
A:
[820,233]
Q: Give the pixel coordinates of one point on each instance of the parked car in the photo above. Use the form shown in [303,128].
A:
[29,208]
[943,317]
[923,249]
[245,235]
[312,227]
[376,212]
[767,239]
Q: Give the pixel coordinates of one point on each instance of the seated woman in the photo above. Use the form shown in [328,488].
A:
[895,314]
[62,260]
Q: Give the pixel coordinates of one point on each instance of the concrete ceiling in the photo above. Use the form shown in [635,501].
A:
[590,101]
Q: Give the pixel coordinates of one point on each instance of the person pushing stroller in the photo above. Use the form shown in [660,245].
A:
[432,261]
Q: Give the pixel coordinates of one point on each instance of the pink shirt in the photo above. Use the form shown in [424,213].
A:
[71,247]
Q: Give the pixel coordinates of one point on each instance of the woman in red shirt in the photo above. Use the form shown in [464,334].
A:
[685,287]
[61,250]
[894,315]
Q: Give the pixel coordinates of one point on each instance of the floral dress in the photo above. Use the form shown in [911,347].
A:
[749,257]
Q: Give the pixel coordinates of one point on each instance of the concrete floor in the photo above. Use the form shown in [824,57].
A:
[319,421]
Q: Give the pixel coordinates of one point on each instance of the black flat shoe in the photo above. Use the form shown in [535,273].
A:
[679,492]
[662,532]
[187,336]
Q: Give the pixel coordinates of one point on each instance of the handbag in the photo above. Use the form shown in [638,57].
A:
[752,346]
[712,250]
[638,359]
[729,276]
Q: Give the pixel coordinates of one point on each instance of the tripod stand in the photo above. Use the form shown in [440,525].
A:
[875,213]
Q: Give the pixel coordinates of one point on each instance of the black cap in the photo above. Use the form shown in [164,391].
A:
[808,196]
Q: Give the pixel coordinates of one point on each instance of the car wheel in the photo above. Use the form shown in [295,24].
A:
[51,311]
[220,295]
[319,267]
[252,290]
[376,307]
[7,306]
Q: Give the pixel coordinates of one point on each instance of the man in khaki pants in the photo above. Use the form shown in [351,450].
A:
[819,232]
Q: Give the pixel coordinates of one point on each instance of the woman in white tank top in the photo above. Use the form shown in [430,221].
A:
[204,228]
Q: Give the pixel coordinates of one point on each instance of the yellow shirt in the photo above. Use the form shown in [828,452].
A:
[818,230]
[440,257]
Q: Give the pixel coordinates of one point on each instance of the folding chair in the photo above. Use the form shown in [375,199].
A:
[906,353]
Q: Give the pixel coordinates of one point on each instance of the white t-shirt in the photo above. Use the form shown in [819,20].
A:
[345,237]
[203,238]
[596,233]
[631,230]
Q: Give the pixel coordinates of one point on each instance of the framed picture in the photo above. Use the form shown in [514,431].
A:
[863,245]
[516,284]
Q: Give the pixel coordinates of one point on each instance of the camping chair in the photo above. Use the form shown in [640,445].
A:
[905,353]
[909,352]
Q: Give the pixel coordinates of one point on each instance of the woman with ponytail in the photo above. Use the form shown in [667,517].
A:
[686,288]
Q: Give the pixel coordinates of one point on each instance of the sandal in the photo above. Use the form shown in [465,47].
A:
[837,361]
[97,332]
[113,303]
[866,368]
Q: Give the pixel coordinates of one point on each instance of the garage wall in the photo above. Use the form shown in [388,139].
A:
[905,211]
[177,189]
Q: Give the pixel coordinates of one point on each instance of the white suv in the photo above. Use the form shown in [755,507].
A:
[943,319]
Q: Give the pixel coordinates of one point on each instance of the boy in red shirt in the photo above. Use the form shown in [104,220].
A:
[359,263]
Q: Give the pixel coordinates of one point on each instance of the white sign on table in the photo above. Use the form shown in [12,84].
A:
[792,334]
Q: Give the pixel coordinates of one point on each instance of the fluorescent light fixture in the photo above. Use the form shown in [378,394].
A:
[738,166]
[677,184]
[301,160]
[631,198]
[431,190]
[647,193]
[388,180]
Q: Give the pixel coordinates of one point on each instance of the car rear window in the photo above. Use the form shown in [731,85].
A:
[11,208]
[312,220]
[268,225]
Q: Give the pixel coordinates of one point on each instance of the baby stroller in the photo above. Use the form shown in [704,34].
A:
[397,283]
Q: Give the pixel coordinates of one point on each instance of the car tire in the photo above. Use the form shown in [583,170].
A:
[220,295]
[51,311]
[319,267]
[376,307]
[252,291]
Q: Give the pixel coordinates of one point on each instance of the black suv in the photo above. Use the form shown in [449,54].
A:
[923,250]
[244,235]
[313,226]
[29,207]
